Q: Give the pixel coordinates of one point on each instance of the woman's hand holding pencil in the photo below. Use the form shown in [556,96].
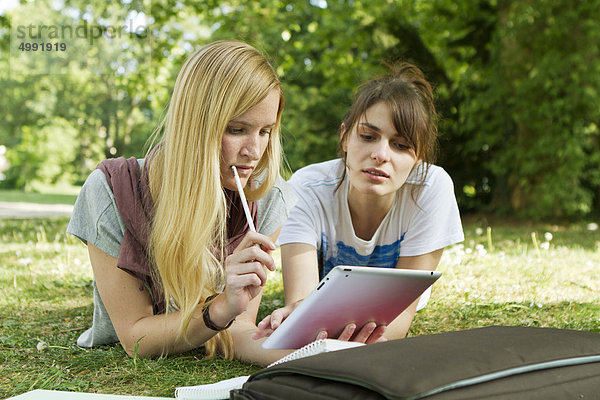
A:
[244,268]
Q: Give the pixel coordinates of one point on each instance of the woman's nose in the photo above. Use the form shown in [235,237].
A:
[251,147]
[381,152]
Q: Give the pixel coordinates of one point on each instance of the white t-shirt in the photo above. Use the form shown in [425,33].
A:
[321,218]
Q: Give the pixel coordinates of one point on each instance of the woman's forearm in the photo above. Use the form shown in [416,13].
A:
[159,335]
[249,350]
[399,327]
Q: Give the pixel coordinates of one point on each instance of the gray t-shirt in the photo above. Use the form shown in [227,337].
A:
[96,220]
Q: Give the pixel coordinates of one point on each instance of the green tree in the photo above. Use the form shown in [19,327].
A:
[44,155]
[535,111]
[103,91]
[517,85]
[323,51]
[521,133]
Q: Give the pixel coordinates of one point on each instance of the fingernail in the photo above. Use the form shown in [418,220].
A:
[321,336]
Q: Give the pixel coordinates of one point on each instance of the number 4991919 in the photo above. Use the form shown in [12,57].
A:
[44,46]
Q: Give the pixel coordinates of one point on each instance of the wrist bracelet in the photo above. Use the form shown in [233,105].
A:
[206,316]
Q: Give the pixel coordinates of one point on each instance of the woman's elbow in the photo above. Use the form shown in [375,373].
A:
[138,349]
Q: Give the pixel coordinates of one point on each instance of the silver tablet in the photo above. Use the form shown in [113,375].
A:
[351,294]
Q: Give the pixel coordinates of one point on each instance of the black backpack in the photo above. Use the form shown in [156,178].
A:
[483,363]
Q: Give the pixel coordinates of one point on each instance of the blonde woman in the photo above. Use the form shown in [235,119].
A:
[175,264]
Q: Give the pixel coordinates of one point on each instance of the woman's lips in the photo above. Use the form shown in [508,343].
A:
[244,170]
[376,174]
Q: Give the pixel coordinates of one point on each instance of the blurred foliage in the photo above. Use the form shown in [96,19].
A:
[527,106]
[517,85]
[44,154]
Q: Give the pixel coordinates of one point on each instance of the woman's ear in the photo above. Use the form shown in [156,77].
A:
[343,140]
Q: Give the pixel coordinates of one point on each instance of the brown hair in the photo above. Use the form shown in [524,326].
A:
[410,98]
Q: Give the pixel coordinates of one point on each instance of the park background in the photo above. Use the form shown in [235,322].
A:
[517,88]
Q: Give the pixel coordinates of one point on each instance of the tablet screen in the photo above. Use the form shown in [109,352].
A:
[351,294]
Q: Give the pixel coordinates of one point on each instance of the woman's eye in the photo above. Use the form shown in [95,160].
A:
[365,136]
[400,146]
[264,132]
[234,131]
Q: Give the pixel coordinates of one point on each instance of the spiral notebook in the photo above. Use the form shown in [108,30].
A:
[220,390]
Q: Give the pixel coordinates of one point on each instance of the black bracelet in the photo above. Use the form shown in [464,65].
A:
[206,316]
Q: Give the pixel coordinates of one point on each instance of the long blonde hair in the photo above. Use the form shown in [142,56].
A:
[219,82]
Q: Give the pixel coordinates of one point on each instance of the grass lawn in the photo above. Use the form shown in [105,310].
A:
[514,273]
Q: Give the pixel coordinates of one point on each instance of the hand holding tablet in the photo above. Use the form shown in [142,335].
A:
[368,333]
[347,295]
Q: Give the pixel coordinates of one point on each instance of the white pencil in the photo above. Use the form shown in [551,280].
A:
[243,197]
